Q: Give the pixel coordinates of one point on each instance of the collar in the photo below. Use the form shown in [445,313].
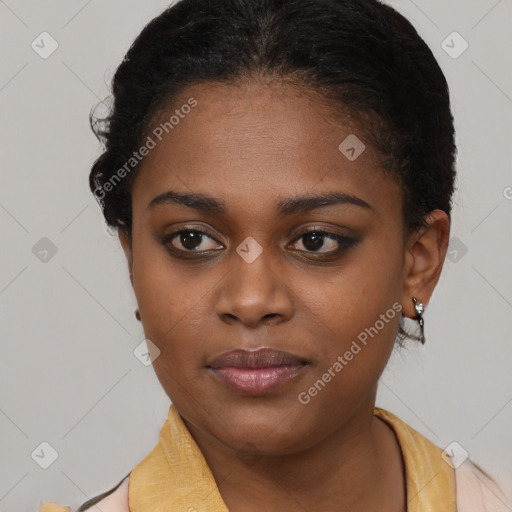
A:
[429,475]
[175,475]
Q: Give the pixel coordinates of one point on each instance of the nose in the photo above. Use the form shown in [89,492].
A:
[254,293]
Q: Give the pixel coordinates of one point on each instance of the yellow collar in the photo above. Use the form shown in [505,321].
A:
[430,479]
[175,475]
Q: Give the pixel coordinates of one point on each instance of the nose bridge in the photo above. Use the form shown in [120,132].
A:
[253,288]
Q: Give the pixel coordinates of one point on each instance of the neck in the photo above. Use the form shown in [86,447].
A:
[357,468]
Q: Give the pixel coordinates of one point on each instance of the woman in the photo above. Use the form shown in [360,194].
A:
[280,174]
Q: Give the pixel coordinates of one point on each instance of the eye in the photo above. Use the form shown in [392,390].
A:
[332,243]
[190,240]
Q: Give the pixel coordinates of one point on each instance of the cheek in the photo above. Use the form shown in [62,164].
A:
[175,302]
[169,300]
[351,356]
[357,313]
[346,301]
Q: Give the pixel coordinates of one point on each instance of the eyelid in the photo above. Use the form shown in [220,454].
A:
[319,229]
[341,232]
[177,228]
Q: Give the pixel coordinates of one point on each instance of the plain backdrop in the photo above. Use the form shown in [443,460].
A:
[68,374]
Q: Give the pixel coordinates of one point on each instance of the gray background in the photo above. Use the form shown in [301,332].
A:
[68,375]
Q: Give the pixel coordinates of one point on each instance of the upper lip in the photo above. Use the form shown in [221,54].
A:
[261,358]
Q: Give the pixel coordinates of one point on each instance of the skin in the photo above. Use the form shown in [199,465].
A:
[250,146]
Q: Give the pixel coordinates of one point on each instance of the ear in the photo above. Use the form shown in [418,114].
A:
[424,259]
[126,244]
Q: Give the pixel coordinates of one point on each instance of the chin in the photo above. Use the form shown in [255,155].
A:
[262,431]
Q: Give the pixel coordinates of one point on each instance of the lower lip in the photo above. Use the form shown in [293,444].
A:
[257,380]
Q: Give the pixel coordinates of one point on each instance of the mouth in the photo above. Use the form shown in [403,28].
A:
[256,372]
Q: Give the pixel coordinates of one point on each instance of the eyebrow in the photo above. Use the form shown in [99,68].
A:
[284,207]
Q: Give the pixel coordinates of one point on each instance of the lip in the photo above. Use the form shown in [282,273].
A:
[256,372]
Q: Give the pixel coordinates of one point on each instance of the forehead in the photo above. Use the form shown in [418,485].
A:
[251,143]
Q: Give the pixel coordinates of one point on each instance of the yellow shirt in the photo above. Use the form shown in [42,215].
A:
[174,476]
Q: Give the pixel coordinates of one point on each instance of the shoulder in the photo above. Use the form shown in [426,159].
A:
[117,501]
[114,500]
[478,492]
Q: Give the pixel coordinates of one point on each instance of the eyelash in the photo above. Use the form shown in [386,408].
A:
[344,241]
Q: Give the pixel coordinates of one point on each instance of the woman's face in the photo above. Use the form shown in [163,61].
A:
[252,279]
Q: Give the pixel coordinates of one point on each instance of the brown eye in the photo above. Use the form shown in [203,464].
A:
[190,240]
[315,240]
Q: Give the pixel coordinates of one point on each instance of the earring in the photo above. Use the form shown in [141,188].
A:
[419,308]
[137,315]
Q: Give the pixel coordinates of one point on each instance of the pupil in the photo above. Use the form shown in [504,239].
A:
[190,239]
[316,240]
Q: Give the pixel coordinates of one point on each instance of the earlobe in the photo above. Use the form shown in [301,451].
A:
[425,258]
